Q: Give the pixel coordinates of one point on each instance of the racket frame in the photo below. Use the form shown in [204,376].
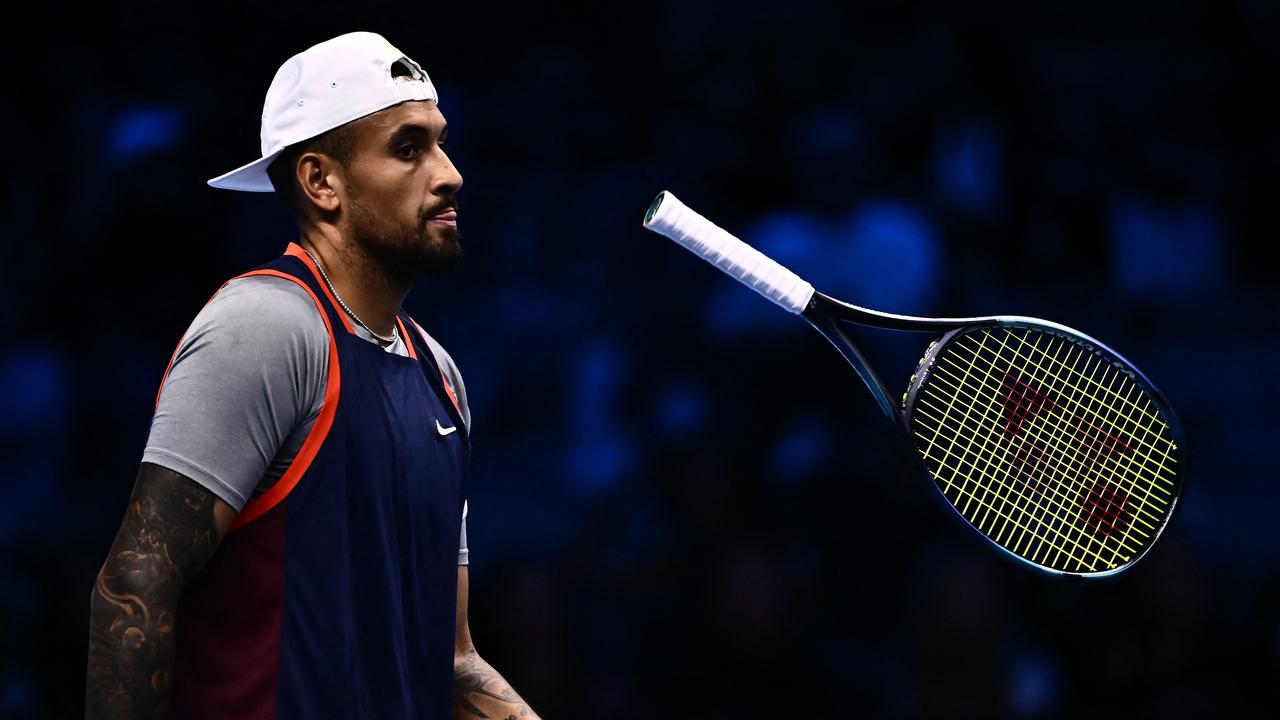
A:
[827,315]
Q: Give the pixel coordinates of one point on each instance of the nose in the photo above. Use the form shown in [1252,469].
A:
[448,180]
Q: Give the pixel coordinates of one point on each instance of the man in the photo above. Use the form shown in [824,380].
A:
[294,546]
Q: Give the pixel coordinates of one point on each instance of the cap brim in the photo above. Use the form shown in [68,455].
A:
[249,178]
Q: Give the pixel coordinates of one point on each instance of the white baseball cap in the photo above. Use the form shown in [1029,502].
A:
[325,86]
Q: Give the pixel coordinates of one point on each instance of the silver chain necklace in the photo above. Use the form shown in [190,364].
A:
[338,297]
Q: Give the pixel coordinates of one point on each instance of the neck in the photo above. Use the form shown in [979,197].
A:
[372,291]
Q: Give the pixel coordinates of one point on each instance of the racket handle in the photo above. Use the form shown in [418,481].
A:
[672,218]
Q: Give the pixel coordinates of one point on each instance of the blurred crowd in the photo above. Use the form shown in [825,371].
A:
[683,504]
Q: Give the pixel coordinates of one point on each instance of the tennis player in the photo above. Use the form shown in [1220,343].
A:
[295,545]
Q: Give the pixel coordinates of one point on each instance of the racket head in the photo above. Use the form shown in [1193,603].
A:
[1048,444]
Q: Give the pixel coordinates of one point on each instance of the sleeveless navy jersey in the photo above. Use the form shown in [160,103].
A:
[333,594]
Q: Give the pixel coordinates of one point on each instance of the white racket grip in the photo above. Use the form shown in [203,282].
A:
[672,218]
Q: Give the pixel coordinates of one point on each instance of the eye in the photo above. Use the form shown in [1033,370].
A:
[443,145]
[410,147]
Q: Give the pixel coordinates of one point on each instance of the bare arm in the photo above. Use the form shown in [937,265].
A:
[478,690]
[171,528]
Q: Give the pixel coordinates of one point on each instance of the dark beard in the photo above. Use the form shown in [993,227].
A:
[406,256]
[446,257]
[407,261]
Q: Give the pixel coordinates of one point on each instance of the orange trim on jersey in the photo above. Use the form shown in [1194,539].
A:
[296,250]
[404,333]
[319,431]
[447,387]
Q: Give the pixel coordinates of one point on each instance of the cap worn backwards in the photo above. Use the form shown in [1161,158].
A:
[325,86]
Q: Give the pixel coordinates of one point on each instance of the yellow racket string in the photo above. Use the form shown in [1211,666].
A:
[992,448]
[1094,412]
[970,495]
[1087,465]
[1067,505]
[1011,331]
[1088,460]
[1033,361]
[973,496]
[1065,485]
[1152,416]
[947,413]
[1099,413]
[1082,391]
[1147,428]
[987,502]
[985,456]
[1095,406]
[995,506]
[1096,463]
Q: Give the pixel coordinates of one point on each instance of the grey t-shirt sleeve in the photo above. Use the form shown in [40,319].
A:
[247,374]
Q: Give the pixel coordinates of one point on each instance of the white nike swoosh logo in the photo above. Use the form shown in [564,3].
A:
[444,430]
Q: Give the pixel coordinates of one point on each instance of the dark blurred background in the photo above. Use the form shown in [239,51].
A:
[684,504]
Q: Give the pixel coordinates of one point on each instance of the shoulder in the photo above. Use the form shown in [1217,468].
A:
[263,304]
[258,315]
[248,373]
[264,300]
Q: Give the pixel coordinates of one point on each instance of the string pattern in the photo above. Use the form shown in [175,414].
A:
[1047,447]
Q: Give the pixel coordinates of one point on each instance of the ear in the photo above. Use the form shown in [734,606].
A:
[321,181]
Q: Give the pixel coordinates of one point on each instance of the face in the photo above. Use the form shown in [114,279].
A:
[400,200]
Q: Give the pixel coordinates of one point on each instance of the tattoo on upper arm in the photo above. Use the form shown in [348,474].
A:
[476,682]
[169,532]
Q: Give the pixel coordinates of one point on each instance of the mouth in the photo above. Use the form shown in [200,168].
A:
[448,217]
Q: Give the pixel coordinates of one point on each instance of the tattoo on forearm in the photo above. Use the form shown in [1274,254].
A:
[167,535]
[476,684]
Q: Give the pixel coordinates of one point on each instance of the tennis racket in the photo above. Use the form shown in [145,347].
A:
[1046,442]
